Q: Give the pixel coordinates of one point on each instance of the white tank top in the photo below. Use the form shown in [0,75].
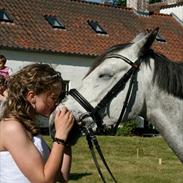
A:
[9,171]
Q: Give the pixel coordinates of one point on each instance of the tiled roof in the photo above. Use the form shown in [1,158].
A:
[30,30]
[156,7]
[172,5]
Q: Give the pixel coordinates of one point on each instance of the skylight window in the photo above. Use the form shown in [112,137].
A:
[54,22]
[160,38]
[96,27]
[4,17]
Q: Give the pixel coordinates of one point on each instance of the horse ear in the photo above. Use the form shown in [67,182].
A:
[144,42]
[138,37]
[150,39]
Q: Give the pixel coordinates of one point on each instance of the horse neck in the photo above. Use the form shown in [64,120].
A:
[164,111]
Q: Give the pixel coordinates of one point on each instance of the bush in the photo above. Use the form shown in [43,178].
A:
[128,128]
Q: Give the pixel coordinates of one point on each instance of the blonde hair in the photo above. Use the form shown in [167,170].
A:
[35,77]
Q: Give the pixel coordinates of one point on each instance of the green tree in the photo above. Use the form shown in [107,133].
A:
[119,2]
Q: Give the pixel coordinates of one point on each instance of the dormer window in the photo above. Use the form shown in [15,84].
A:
[55,22]
[4,17]
[96,27]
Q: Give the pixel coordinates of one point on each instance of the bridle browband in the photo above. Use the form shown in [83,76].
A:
[94,112]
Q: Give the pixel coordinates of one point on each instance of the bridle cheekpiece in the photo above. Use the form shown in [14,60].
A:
[97,118]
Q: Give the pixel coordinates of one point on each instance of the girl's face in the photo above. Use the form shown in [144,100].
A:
[46,102]
[2,64]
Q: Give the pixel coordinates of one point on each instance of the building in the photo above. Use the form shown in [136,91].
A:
[175,10]
[69,34]
[80,32]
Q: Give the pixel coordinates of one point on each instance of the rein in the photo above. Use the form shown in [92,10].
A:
[94,112]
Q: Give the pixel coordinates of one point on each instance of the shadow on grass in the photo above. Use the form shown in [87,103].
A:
[77,176]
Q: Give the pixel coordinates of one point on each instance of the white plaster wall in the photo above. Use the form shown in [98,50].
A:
[178,11]
[73,68]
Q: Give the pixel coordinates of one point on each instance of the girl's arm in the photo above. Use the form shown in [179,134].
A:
[66,165]
[64,173]
[17,141]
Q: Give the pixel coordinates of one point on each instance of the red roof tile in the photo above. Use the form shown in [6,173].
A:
[31,31]
[172,5]
[156,7]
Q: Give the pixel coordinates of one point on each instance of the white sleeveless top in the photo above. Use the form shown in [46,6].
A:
[9,171]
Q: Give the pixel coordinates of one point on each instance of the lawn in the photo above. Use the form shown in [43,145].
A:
[131,160]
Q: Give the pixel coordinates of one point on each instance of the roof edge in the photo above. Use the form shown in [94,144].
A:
[102,4]
[171,5]
[177,18]
[34,50]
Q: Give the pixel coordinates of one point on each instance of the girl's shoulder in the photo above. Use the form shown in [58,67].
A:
[11,126]
[12,132]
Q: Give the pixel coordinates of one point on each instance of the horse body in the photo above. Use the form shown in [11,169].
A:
[160,102]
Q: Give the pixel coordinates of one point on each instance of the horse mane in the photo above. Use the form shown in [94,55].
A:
[168,75]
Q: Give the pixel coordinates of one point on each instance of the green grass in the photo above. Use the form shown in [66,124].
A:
[131,160]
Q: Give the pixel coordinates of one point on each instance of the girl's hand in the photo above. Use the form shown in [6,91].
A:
[64,121]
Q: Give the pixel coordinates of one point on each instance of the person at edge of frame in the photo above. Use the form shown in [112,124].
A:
[24,155]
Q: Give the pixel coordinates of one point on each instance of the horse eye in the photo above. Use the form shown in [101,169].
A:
[105,76]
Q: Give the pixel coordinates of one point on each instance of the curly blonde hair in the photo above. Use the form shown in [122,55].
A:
[39,78]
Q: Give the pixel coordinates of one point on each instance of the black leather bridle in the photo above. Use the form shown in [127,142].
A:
[94,113]
[119,86]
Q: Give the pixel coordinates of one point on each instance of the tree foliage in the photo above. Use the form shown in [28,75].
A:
[119,2]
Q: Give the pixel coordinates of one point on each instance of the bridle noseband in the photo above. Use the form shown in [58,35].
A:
[94,112]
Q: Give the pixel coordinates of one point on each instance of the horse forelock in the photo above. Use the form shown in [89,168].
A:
[168,75]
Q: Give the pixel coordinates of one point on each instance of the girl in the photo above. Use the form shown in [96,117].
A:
[4,70]
[24,156]
[3,92]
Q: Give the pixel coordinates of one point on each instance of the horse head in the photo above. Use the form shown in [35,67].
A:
[118,64]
